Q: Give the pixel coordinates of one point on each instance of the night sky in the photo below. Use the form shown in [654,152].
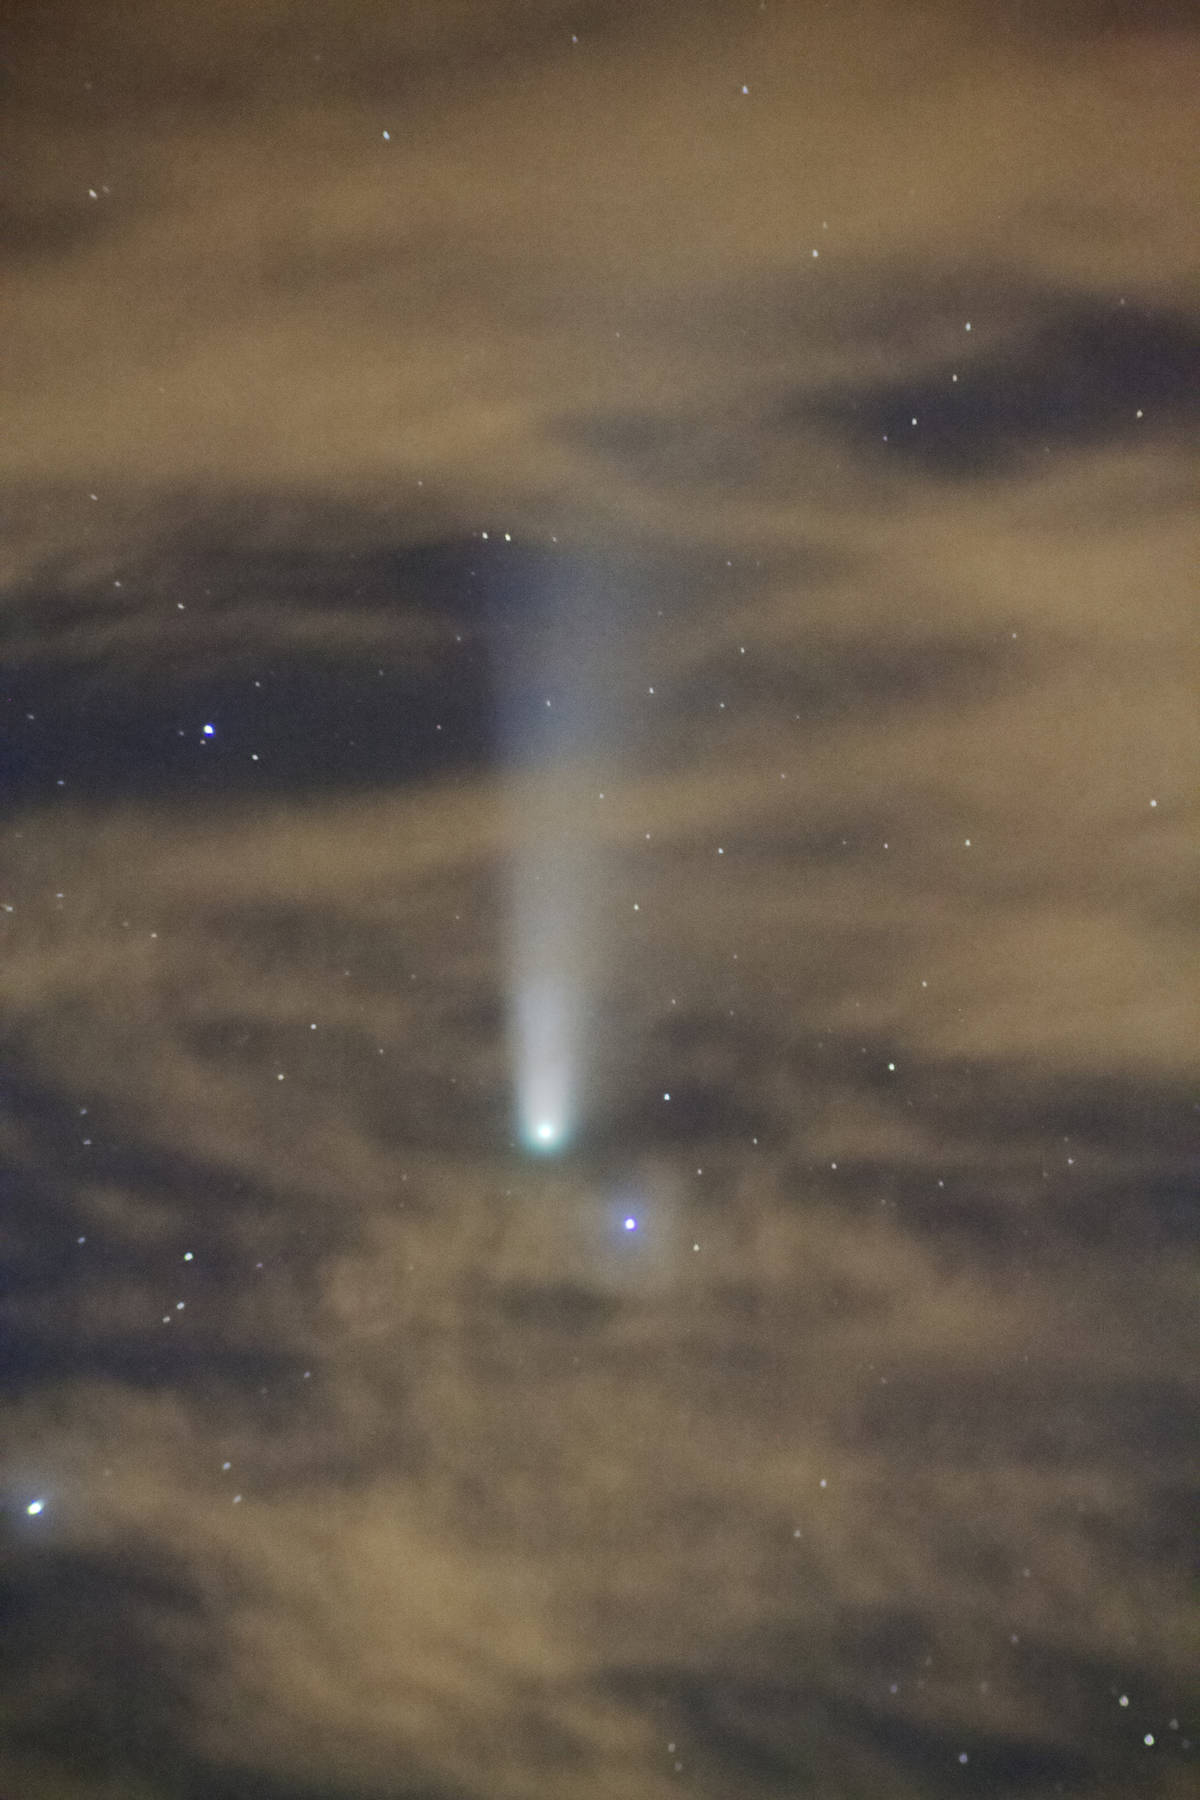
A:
[598,776]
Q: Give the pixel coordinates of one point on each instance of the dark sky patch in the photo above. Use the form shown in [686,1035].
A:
[1094,375]
[116,1628]
[1000,373]
[98,701]
[283,723]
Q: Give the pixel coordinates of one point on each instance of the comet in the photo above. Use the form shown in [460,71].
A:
[555,634]
[546,1056]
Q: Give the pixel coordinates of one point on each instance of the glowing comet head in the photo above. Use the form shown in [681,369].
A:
[546,1135]
[545,1056]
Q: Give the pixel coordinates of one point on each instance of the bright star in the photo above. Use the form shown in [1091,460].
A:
[35,1507]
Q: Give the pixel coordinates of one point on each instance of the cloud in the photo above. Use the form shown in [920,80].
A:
[376,1457]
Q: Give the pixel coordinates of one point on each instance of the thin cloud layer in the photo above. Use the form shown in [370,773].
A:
[825,1417]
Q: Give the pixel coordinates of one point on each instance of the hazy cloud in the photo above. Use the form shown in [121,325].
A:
[374,1457]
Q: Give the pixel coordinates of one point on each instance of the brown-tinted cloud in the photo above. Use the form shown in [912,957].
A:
[376,1457]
